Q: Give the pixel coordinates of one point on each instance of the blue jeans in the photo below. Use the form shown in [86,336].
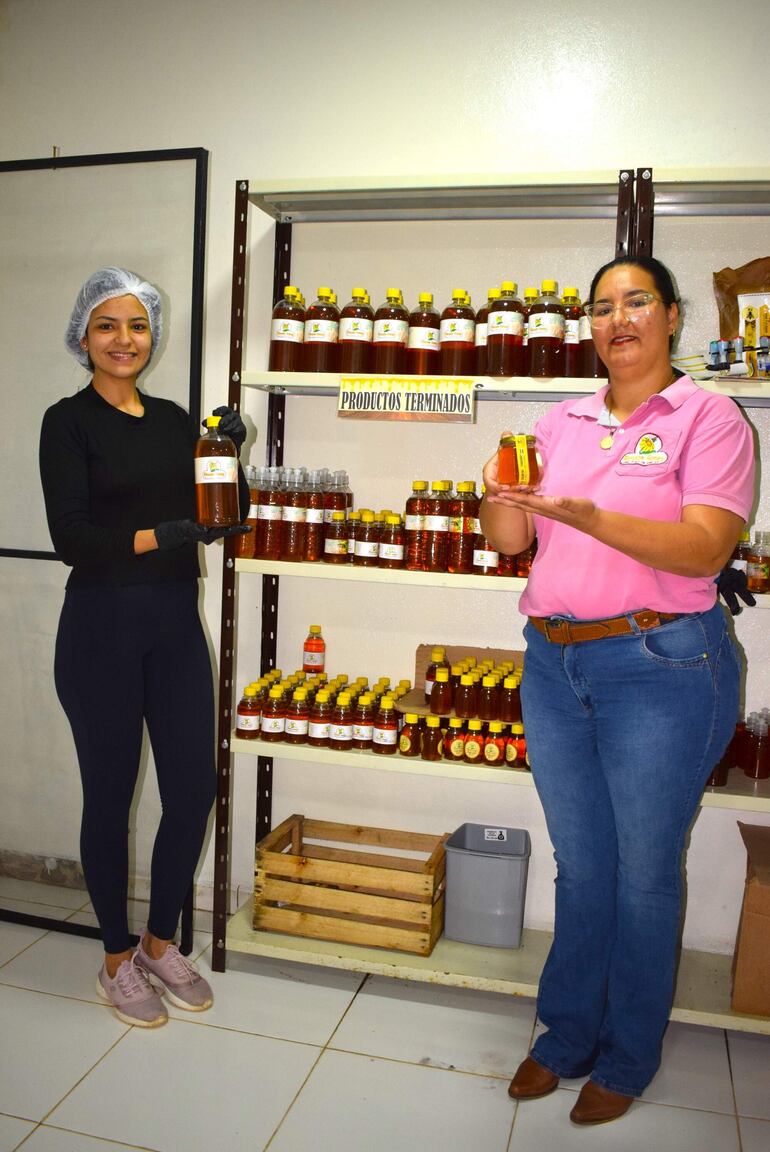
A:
[622,735]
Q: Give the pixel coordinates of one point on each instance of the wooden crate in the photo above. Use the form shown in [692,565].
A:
[307,884]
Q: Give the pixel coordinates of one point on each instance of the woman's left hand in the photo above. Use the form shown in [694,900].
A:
[231,424]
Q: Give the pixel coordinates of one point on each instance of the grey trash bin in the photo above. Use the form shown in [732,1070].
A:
[486,884]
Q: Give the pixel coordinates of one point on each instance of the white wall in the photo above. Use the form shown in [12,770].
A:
[343,89]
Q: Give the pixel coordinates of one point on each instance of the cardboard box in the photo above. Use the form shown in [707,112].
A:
[751,962]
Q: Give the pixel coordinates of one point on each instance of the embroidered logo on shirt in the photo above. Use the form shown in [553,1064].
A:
[648,450]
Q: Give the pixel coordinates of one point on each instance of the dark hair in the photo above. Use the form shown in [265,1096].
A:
[659,273]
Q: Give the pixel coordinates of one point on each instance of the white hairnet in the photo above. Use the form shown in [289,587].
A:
[106,284]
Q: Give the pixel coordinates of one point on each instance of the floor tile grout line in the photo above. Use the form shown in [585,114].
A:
[294,1099]
[732,1089]
[88,1135]
[43,933]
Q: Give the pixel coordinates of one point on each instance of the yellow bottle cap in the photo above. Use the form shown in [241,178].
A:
[343,699]
[300,694]
[411,718]
[488,682]
[442,675]
[351,515]
[419,485]
[276,693]
[325,293]
[570,291]
[290,290]
[393,518]
[359,293]
[322,697]
[386,702]
[437,652]
[433,721]
[315,629]
[517,729]
[495,726]
[459,294]
[493,294]
[393,293]
[531,293]
[550,286]
[466,486]
[455,722]
[425,298]
[337,516]
[250,690]
[509,286]
[367,517]
[509,682]
[466,680]
[474,725]
[457,670]
[213,421]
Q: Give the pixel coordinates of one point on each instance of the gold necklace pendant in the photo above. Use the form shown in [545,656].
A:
[606,441]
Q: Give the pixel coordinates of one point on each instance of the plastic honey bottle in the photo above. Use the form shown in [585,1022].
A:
[530,296]
[572,355]
[414,525]
[494,745]
[336,542]
[385,728]
[363,722]
[437,660]
[546,332]
[314,517]
[409,740]
[505,333]
[432,740]
[274,716]
[485,557]
[473,752]
[244,544]
[463,526]
[293,520]
[267,545]
[391,332]
[314,650]
[355,337]
[482,326]
[367,541]
[391,546]
[441,695]
[287,332]
[457,335]
[318,725]
[341,724]
[216,478]
[248,714]
[423,350]
[435,543]
[321,334]
[297,717]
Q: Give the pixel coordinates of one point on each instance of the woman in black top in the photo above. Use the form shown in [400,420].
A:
[118,480]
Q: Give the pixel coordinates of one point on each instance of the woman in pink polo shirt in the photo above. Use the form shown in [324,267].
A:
[630,689]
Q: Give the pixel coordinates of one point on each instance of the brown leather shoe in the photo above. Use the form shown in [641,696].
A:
[531,1081]
[597,1105]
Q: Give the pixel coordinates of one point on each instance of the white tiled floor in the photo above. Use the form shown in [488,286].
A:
[298,1059]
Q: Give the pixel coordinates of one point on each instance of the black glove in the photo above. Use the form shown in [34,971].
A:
[175,533]
[732,583]
[231,424]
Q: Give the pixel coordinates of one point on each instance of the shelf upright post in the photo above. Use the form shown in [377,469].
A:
[624,235]
[643,213]
[276,412]
[227,625]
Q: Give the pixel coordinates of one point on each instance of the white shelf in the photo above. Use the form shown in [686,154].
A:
[740,794]
[702,992]
[321,571]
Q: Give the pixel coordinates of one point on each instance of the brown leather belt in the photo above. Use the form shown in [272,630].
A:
[575,631]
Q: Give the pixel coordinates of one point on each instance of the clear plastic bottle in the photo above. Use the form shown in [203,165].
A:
[367,542]
[321,334]
[248,714]
[267,545]
[530,296]
[505,333]
[274,716]
[414,525]
[485,558]
[314,650]
[463,518]
[318,724]
[572,355]
[457,335]
[287,332]
[297,717]
[435,544]
[409,740]
[592,367]
[293,521]
[336,542]
[244,544]
[385,728]
[546,332]
[363,722]
[391,332]
[437,660]
[431,744]
[481,334]
[391,547]
[216,478]
[441,695]
[758,564]
[355,335]
[341,724]
[423,351]
[314,517]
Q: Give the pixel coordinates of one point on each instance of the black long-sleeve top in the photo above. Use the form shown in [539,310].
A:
[107,474]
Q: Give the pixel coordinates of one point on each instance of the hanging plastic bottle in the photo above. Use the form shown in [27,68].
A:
[436,528]
[293,523]
[314,650]
[505,333]
[355,336]
[546,332]
[457,335]
[481,334]
[423,352]
[391,332]
[321,334]
[216,478]
[287,332]
[572,355]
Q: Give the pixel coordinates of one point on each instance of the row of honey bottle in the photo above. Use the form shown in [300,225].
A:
[748,751]
[470,689]
[753,558]
[542,335]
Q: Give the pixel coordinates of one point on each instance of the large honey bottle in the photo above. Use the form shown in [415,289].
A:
[463,526]
[572,355]
[355,335]
[293,521]
[414,526]
[546,332]
[482,326]
[391,332]
[435,545]
[216,478]
[457,336]
[530,296]
[505,333]
[287,332]
[322,324]
[267,545]
[423,352]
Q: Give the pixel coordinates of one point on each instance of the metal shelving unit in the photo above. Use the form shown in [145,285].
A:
[703,989]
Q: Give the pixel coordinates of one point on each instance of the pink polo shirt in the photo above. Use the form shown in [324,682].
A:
[681,446]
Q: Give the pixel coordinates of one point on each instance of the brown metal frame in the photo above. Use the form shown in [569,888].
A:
[643,213]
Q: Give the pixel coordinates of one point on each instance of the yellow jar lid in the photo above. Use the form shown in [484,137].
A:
[425,298]
[433,721]
[550,286]
[495,726]
[509,286]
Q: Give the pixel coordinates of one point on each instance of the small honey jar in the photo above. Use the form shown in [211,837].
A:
[517,461]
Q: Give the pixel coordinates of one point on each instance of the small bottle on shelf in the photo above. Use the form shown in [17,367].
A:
[454,741]
[592,367]
[367,542]
[391,332]
[473,752]
[287,332]
[297,717]
[465,698]
[274,716]
[487,705]
[363,722]
[431,745]
[355,335]
[516,749]
[505,333]
[336,541]
[423,352]
[385,728]
[318,725]
[437,660]
[441,695]
[758,564]
[572,355]
[341,724]
[530,296]
[314,650]
[410,739]
[510,700]
[494,744]
[248,714]
[391,554]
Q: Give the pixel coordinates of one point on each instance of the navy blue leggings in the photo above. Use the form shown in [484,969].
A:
[124,656]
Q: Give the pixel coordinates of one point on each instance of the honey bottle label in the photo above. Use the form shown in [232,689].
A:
[216,470]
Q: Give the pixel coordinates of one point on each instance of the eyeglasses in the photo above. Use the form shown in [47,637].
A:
[634,308]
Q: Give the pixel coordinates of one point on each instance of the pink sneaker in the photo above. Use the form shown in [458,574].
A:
[131,995]
[183,984]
